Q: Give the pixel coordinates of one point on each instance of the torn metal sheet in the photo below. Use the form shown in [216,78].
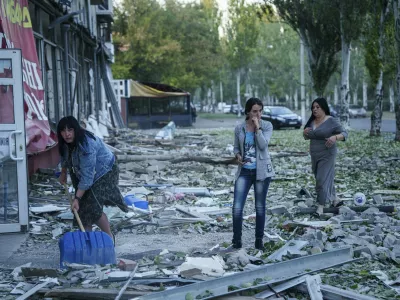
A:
[333,293]
[270,273]
[290,246]
[281,287]
[38,287]
[393,284]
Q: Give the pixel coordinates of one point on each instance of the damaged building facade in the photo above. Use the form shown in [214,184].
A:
[55,58]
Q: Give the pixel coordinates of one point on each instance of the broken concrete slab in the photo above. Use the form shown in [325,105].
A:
[291,246]
[211,266]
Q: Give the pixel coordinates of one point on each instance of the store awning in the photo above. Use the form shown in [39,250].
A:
[141,90]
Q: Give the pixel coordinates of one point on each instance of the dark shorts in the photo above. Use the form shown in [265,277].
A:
[104,191]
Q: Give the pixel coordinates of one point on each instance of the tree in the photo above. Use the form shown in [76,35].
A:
[352,15]
[319,30]
[276,58]
[375,48]
[241,38]
[175,44]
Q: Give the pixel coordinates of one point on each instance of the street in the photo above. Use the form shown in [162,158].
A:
[388,125]
[365,124]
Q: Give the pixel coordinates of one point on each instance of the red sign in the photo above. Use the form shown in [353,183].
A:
[16,32]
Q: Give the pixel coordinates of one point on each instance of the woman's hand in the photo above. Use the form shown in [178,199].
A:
[306,131]
[75,205]
[331,141]
[256,124]
[63,177]
[239,159]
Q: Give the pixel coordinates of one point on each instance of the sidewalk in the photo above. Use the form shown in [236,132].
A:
[10,242]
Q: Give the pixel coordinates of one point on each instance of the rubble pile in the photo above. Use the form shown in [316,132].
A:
[179,227]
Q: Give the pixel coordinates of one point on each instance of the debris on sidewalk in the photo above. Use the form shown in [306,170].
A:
[178,229]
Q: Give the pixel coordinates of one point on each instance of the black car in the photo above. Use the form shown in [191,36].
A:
[281,116]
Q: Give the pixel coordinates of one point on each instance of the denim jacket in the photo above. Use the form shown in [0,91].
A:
[90,161]
[263,158]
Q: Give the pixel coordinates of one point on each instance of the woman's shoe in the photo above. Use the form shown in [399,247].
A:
[237,244]
[337,203]
[259,244]
[318,212]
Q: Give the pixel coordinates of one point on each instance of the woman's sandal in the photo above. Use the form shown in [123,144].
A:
[340,203]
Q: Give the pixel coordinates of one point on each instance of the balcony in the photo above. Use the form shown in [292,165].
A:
[104,11]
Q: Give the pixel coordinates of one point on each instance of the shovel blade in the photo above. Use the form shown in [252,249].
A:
[86,248]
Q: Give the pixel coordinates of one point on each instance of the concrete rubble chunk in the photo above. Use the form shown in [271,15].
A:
[126,264]
[211,266]
[346,213]
[277,210]
[377,199]
[314,287]
[389,241]
[291,246]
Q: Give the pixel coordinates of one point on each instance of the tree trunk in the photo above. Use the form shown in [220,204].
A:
[344,84]
[213,99]
[396,10]
[391,97]
[355,96]
[335,96]
[365,95]
[238,91]
[302,84]
[376,116]
[221,93]
[296,100]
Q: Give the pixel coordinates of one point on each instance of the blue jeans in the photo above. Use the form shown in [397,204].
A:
[246,179]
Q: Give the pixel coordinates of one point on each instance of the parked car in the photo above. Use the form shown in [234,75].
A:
[234,109]
[357,111]
[281,116]
[334,112]
[224,108]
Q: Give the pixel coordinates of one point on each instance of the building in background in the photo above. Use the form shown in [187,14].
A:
[74,49]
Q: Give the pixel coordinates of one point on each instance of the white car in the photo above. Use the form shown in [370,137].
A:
[356,111]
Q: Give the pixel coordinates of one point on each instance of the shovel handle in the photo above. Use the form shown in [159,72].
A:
[78,219]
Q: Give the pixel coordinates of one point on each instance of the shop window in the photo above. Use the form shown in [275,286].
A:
[138,106]
[159,106]
[33,13]
[178,105]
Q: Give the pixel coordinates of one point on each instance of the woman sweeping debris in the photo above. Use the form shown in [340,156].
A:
[255,168]
[94,173]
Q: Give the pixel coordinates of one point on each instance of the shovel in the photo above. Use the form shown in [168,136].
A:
[93,247]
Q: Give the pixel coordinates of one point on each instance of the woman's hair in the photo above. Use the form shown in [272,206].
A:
[80,134]
[249,105]
[324,106]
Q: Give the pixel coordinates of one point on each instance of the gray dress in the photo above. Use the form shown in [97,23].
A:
[323,158]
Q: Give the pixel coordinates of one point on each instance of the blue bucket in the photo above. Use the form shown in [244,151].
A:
[139,203]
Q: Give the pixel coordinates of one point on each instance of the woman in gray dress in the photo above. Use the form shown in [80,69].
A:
[323,131]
